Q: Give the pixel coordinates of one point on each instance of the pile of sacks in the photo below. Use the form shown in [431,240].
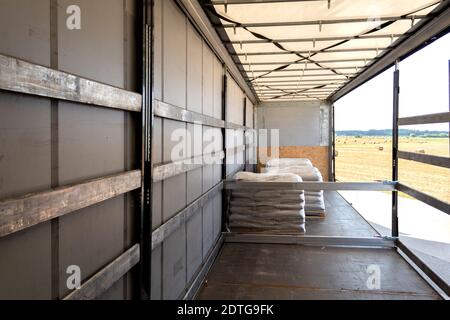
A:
[315,204]
[267,211]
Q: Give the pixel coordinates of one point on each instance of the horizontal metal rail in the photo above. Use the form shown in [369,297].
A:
[311,186]
[425,198]
[317,22]
[307,70]
[425,158]
[98,284]
[303,62]
[231,2]
[317,76]
[168,111]
[299,81]
[297,84]
[377,36]
[294,88]
[164,231]
[298,90]
[232,151]
[293,92]
[381,242]
[171,169]
[23,212]
[425,119]
[294,98]
[29,78]
[167,170]
[198,280]
[234,126]
[441,283]
[271,53]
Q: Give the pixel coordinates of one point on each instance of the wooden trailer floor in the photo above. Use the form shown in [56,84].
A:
[287,271]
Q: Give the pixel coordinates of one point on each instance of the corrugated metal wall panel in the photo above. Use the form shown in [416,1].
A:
[187,75]
[69,143]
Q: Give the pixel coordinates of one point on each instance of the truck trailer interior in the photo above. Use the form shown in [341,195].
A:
[186,150]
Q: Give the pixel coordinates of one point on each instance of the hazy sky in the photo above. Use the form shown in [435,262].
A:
[424,88]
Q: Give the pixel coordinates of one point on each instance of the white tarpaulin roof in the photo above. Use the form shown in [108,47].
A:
[308,49]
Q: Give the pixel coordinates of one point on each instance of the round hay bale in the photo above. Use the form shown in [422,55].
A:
[380,148]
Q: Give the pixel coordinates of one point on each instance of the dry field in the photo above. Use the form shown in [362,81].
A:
[369,159]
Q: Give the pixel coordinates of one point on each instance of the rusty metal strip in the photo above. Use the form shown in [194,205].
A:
[164,171]
[164,231]
[107,277]
[20,213]
[28,78]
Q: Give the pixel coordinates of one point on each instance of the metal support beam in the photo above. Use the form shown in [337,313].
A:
[303,62]
[307,70]
[168,111]
[171,169]
[20,213]
[146,163]
[197,283]
[425,198]
[28,78]
[300,82]
[232,2]
[98,284]
[313,75]
[332,147]
[425,119]
[317,22]
[224,135]
[441,283]
[375,36]
[443,162]
[322,241]
[311,186]
[395,108]
[271,53]
[164,231]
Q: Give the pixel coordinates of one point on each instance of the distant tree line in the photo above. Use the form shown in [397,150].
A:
[388,132]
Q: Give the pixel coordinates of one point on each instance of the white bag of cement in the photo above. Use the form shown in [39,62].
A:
[307,173]
[314,202]
[266,177]
[283,162]
[267,211]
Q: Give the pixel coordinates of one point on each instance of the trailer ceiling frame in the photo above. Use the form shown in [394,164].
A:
[422,34]
[428,25]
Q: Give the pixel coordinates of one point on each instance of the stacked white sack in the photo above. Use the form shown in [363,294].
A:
[267,211]
[287,162]
[315,204]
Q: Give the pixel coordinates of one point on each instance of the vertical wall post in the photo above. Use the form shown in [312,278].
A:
[147,126]
[332,147]
[395,230]
[245,134]
[224,163]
